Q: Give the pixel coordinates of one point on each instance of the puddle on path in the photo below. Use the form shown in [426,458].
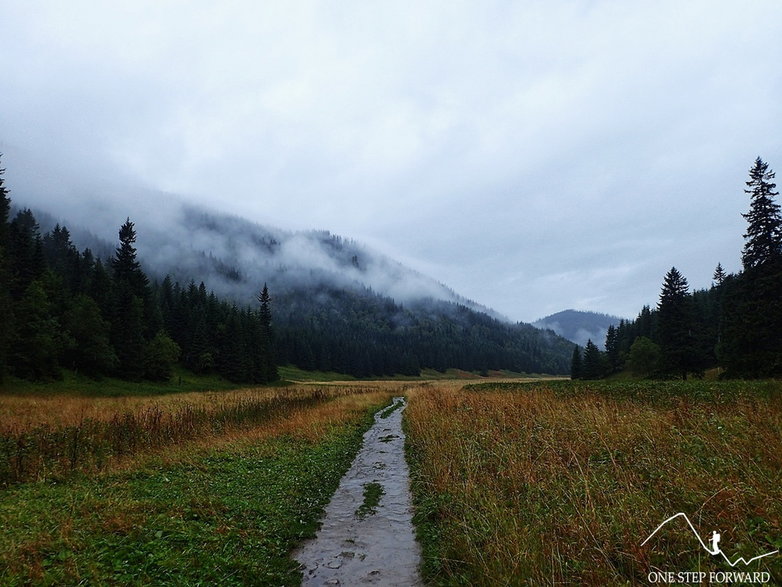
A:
[353,546]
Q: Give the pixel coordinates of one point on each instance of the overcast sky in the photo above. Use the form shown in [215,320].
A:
[534,156]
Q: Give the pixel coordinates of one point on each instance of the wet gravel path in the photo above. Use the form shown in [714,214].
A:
[373,544]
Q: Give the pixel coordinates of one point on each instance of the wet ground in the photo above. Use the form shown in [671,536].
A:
[364,540]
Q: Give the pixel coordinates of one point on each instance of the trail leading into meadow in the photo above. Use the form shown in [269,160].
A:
[360,544]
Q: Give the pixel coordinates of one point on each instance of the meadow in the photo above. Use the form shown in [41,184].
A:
[185,488]
[514,482]
[560,482]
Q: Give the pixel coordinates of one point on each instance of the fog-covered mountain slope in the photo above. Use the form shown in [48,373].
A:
[338,305]
[578,326]
[234,257]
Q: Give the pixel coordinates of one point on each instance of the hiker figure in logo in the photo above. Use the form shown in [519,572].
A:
[715,542]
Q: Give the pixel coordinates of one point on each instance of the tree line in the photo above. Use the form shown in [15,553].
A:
[62,308]
[365,334]
[735,325]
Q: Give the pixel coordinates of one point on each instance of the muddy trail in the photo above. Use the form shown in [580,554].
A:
[367,533]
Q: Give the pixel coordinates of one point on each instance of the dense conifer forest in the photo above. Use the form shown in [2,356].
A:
[735,325]
[62,308]
[68,309]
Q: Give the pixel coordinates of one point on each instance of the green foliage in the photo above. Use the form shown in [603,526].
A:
[644,357]
[593,366]
[675,323]
[752,321]
[91,352]
[227,516]
[372,494]
[366,335]
[183,381]
[6,306]
[575,364]
[38,338]
[764,222]
[60,306]
[160,355]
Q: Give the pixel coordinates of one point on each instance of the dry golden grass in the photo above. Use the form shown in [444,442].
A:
[21,412]
[222,507]
[529,485]
[49,436]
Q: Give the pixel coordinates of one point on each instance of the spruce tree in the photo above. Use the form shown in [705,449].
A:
[126,267]
[751,345]
[592,366]
[675,326]
[131,297]
[268,360]
[719,275]
[764,230]
[575,364]
[6,308]
[612,349]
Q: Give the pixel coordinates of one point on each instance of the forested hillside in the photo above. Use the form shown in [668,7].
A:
[735,325]
[133,317]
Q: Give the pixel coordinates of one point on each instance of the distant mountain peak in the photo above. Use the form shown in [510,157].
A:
[579,326]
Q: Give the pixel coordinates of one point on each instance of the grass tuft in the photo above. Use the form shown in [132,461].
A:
[372,494]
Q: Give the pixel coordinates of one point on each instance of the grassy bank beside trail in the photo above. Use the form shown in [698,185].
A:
[54,436]
[182,381]
[227,510]
[561,482]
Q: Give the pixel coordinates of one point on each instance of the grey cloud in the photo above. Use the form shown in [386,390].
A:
[533,156]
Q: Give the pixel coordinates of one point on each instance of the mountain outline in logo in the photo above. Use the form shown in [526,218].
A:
[715,539]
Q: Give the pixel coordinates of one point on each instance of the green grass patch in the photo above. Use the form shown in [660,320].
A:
[372,494]
[651,391]
[292,373]
[227,516]
[391,409]
[75,384]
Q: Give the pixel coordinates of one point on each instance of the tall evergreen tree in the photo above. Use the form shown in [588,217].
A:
[612,349]
[268,359]
[751,344]
[592,366]
[6,308]
[675,325]
[719,275]
[131,296]
[126,267]
[764,230]
[575,363]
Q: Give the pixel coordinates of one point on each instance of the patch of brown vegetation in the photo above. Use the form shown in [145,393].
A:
[544,487]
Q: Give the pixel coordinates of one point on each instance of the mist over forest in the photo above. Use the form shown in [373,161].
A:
[338,305]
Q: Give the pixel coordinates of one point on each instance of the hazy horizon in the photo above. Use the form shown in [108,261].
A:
[531,156]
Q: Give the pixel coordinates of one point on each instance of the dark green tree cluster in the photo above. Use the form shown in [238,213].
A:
[750,333]
[218,337]
[736,324]
[61,308]
[364,334]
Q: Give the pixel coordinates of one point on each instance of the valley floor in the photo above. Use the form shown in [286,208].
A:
[536,482]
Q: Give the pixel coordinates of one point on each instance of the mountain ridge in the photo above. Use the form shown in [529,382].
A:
[339,305]
[579,326]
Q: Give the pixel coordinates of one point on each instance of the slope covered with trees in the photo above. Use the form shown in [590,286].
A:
[735,325]
[62,308]
[68,309]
